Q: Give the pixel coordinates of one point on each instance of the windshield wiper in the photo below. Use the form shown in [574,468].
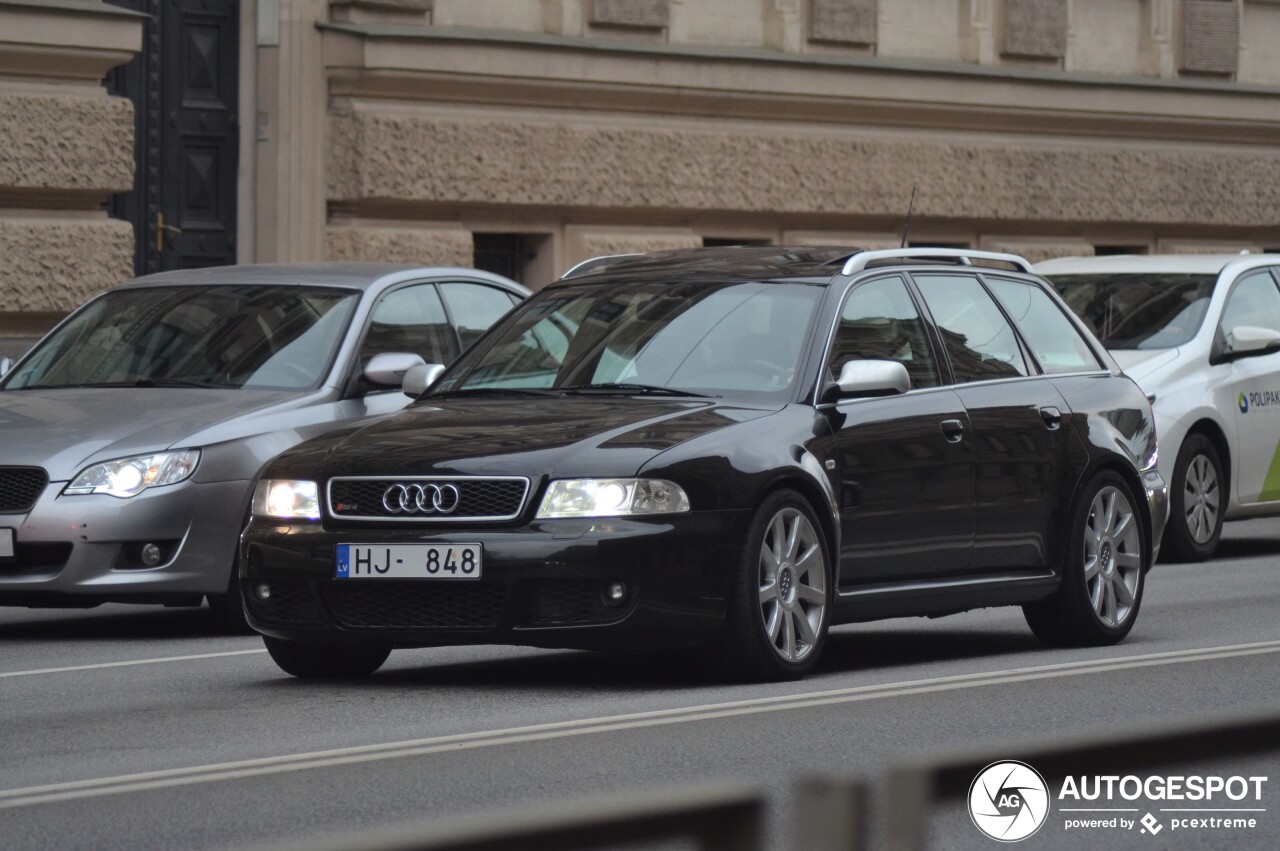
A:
[634,389]
[494,391]
[141,382]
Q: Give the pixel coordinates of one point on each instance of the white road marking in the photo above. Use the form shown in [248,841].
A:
[129,662]
[167,778]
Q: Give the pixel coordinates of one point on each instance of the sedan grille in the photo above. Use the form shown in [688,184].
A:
[20,487]
[426,605]
[429,499]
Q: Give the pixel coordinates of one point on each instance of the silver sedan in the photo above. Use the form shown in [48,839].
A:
[131,435]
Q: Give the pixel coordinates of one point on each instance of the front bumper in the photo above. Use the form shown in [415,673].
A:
[1157,493]
[541,584]
[77,551]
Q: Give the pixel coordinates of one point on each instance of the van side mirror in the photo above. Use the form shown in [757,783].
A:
[390,368]
[866,378]
[1249,339]
[420,378]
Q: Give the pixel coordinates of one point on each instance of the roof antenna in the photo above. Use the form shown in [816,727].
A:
[906,228]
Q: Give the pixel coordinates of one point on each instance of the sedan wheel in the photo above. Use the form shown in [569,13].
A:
[1103,570]
[326,661]
[780,595]
[1198,502]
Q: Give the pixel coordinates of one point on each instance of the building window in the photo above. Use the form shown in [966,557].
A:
[843,21]
[1210,36]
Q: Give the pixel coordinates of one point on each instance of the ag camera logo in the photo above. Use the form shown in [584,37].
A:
[1008,801]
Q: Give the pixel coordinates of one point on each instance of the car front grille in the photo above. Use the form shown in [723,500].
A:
[386,604]
[571,601]
[478,498]
[291,602]
[20,487]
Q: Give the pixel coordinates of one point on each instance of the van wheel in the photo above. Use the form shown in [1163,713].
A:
[1102,575]
[780,600]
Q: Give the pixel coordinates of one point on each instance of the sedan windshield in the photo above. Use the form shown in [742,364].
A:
[216,336]
[733,339]
[1138,311]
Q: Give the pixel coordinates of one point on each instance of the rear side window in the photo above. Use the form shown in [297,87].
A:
[1054,341]
[879,322]
[978,338]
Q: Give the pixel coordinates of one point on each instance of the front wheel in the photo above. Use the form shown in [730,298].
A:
[326,661]
[1102,574]
[780,597]
[1197,502]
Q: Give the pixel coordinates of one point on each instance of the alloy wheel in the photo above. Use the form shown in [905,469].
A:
[1200,499]
[1112,556]
[793,584]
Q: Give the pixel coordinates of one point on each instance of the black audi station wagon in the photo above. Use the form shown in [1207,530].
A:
[727,449]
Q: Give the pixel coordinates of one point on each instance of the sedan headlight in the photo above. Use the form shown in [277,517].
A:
[612,498]
[287,499]
[128,477]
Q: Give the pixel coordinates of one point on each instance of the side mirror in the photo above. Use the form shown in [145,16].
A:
[389,368]
[6,364]
[863,378]
[1249,339]
[419,378]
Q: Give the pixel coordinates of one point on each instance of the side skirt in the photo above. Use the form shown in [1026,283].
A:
[943,596]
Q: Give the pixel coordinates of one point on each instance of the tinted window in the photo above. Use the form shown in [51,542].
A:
[1254,301]
[1053,339]
[221,336]
[474,307]
[411,319]
[740,339]
[979,341]
[879,322]
[1138,311]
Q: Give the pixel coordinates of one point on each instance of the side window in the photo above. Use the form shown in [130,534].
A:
[474,307]
[1254,301]
[410,319]
[979,341]
[1053,339]
[879,322]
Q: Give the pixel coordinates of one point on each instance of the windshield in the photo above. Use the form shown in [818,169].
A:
[733,339]
[1138,311]
[216,336]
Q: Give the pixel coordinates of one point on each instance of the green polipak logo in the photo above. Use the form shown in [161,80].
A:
[1243,402]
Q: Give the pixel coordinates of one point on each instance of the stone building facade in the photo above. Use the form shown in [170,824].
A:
[524,135]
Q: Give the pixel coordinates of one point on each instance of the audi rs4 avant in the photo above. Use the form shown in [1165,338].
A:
[731,450]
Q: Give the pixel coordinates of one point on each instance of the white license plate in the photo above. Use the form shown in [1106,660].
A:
[408,561]
[6,543]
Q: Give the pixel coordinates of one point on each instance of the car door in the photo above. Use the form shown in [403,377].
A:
[904,462]
[1020,425]
[1251,390]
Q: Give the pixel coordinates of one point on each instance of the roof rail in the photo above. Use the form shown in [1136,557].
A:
[962,256]
[587,265]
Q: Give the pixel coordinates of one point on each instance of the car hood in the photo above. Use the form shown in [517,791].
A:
[554,436]
[64,430]
[1139,364]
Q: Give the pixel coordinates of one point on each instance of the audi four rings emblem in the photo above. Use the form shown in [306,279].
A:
[421,499]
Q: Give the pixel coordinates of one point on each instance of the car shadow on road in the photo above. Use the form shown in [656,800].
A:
[1247,547]
[142,622]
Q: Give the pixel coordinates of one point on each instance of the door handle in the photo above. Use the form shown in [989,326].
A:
[952,430]
[161,228]
[1052,417]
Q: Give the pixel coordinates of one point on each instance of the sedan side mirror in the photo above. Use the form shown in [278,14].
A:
[6,364]
[419,378]
[862,378]
[390,368]
[1250,339]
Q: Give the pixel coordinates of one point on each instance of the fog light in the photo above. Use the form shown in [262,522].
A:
[151,555]
[262,591]
[615,593]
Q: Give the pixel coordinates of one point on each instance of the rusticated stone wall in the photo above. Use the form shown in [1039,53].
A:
[399,245]
[54,264]
[599,244]
[376,156]
[65,142]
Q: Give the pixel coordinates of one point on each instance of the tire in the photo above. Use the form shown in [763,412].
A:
[1197,502]
[227,608]
[1103,572]
[326,661]
[779,599]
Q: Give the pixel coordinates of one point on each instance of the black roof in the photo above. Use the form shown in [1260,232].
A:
[733,263]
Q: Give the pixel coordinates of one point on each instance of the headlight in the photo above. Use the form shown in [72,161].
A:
[612,498]
[287,499]
[131,476]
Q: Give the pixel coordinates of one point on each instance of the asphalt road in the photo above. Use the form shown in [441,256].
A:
[118,725]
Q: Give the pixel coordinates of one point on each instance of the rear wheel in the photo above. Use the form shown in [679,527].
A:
[1102,575]
[780,598]
[326,661]
[1197,503]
